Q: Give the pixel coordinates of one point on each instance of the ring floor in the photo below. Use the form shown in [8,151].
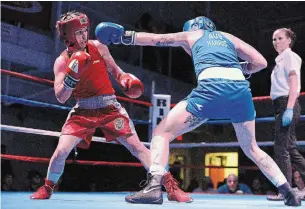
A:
[107,200]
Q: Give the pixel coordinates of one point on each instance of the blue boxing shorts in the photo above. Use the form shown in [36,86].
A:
[217,98]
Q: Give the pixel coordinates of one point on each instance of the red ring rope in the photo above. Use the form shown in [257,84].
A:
[129,164]
[46,81]
[49,82]
[81,162]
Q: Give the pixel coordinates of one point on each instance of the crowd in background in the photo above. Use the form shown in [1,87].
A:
[157,60]
[94,179]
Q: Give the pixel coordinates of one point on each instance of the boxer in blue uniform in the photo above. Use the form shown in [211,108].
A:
[222,93]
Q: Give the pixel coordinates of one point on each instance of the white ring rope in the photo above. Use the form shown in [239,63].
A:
[50,133]
[103,140]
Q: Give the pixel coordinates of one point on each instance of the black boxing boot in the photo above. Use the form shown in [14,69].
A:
[151,194]
[291,199]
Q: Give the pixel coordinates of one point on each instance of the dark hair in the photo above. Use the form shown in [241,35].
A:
[33,173]
[290,34]
[69,15]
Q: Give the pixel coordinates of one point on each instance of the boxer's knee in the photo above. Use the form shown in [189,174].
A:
[166,127]
[61,154]
[250,149]
[167,133]
[159,130]
[134,145]
[138,148]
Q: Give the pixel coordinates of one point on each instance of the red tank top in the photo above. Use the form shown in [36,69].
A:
[95,80]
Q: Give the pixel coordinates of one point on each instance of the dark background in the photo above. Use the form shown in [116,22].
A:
[254,22]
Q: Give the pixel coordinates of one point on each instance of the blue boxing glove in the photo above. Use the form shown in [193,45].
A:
[287,117]
[110,33]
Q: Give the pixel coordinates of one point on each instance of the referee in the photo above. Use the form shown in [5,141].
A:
[285,89]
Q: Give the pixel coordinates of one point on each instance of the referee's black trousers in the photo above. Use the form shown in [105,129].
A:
[286,153]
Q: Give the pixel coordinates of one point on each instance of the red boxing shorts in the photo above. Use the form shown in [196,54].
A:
[113,120]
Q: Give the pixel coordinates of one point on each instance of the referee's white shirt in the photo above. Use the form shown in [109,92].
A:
[286,62]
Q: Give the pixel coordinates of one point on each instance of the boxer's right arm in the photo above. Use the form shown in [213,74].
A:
[246,52]
[62,94]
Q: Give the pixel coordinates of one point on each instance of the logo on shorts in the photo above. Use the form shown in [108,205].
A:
[119,124]
[199,107]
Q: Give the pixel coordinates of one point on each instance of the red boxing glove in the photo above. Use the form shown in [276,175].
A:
[78,63]
[131,85]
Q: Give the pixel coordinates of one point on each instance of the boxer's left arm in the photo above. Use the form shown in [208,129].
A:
[111,65]
[125,80]
[293,89]
[111,33]
[292,69]
[162,40]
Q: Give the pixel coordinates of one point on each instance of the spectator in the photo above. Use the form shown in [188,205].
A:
[35,180]
[198,189]
[7,182]
[233,187]
[299,183]
[152,58]
[193,185]
[207,185]
[268,188]
[219,184]
[92,186]
[6,167]
[257,187]
[175,171]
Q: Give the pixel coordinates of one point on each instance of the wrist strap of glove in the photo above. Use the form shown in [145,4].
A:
[244,66]
[70,82]
[129,38]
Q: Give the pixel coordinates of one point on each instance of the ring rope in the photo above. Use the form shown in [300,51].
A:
[104,163]
[33,103]
[49,82]
[101,139]
[46,133]
[46,81]
[59,107]
[81,162]
[48,105]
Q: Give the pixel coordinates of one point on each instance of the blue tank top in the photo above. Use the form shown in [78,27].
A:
[214,50]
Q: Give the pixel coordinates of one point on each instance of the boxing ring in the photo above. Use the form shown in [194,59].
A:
[60,200]
[115,200]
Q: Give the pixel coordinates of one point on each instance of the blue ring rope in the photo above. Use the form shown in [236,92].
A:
[42,104]
[59,107]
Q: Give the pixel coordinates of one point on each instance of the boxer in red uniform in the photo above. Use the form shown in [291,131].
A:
[82,70]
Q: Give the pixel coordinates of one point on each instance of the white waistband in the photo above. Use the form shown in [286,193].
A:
[221,72]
